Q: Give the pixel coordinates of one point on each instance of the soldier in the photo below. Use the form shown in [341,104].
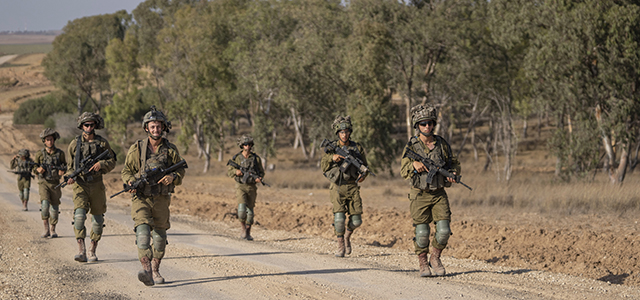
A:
[51,165]
[429,202]
[89,190]
[344,191]
[246,193]
[150,202]
[22,164]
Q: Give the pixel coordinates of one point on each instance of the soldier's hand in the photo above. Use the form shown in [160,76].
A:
[166,180]
[337,157]
[419,167]
[70,181]
[131,191]
[451,179]
[239,173]
[259,180]
[361,179]
[95,167]
[40,170]
[60,172]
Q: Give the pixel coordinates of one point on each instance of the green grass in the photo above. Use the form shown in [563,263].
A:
[25,49]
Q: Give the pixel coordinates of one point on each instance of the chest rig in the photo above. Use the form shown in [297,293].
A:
[51,163]
[250,163]
[341,173]
[86,149]
[150,161]
[439,155]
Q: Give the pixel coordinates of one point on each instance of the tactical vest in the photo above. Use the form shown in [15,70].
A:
[51,174]
[351,174]
[88,149]
[250,163]
[439,154]
[150,161]
[24,168]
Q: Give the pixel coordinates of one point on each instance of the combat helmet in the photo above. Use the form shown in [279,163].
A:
[244,139]
[24,153]
[342,123]
[156,115]
[90,116]
[422,112]
[47,132]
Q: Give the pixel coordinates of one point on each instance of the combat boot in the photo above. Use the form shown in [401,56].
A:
[92,251]
[435,262]
[144,275]
[424,266]
[347,242]
[53,231]
[340,252]
[82,252]
[248,233]
[243,234]
[46,233]
[155,267]
[24,205]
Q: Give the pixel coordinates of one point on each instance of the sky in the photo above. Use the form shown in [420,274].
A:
[35,15]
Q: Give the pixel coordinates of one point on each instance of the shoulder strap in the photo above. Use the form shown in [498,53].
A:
[142,149]
[447,149]
[78,157]
[234,157]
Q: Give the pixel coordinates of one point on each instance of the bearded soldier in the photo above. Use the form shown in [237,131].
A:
[89,190]
[22,165]
[246,192]
[151,200]
[429,201]
[51,165]
[344,191]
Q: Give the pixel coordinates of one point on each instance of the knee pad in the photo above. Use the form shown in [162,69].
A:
[159,239]
[249,220]
[79,216]
[97,222]
[55,212]
[442,232]
[354,222]
[143,236]
[338,222]
[242,211]
[44,209]
[422,235]
[26,194]
[21,195]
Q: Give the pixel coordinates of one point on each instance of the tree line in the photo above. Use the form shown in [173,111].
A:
[293,65]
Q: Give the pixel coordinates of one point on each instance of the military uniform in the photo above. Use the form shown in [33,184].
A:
[47,181]
[150,204]
[246,193]
[89,190]
[23,167]
[428,200]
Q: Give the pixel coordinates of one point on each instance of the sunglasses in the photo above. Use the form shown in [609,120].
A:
[89,124]
[425,123]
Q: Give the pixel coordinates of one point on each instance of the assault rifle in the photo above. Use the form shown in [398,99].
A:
[49,169]
[433,167]
[348,159]
[83,168]
[150,177]
[30,165]
[248,175]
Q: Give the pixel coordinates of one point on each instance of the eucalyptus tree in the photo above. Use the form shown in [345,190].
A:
[194,51]
[77,63]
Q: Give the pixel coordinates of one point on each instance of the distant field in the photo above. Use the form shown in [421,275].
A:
[25,49]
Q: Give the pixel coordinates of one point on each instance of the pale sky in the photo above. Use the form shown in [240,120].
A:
[36,15]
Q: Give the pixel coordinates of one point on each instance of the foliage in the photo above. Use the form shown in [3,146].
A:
[38,110]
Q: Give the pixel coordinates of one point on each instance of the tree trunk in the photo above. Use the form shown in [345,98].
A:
[407,103]
[624,162]
[524,129]
[608,148]
[221,144]
[207,157]
[298,138]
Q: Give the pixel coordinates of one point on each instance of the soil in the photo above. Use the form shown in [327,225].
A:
[496,254]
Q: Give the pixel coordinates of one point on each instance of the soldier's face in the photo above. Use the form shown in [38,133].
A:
[344,135]
[426,126]
[154,128]
[49,141]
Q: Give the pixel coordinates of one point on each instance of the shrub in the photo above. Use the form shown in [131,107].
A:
[36,111]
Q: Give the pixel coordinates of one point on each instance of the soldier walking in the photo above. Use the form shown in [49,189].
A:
[89,190]
[51,164]
[344,191]
[429,201]
[22,164]
[246,192]
[150,202]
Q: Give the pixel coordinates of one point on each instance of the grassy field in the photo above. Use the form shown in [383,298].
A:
[25,49]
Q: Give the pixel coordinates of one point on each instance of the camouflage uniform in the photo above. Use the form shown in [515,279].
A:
[246,193]
[344,191]
[429,202]
[23,164]
[49,195]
